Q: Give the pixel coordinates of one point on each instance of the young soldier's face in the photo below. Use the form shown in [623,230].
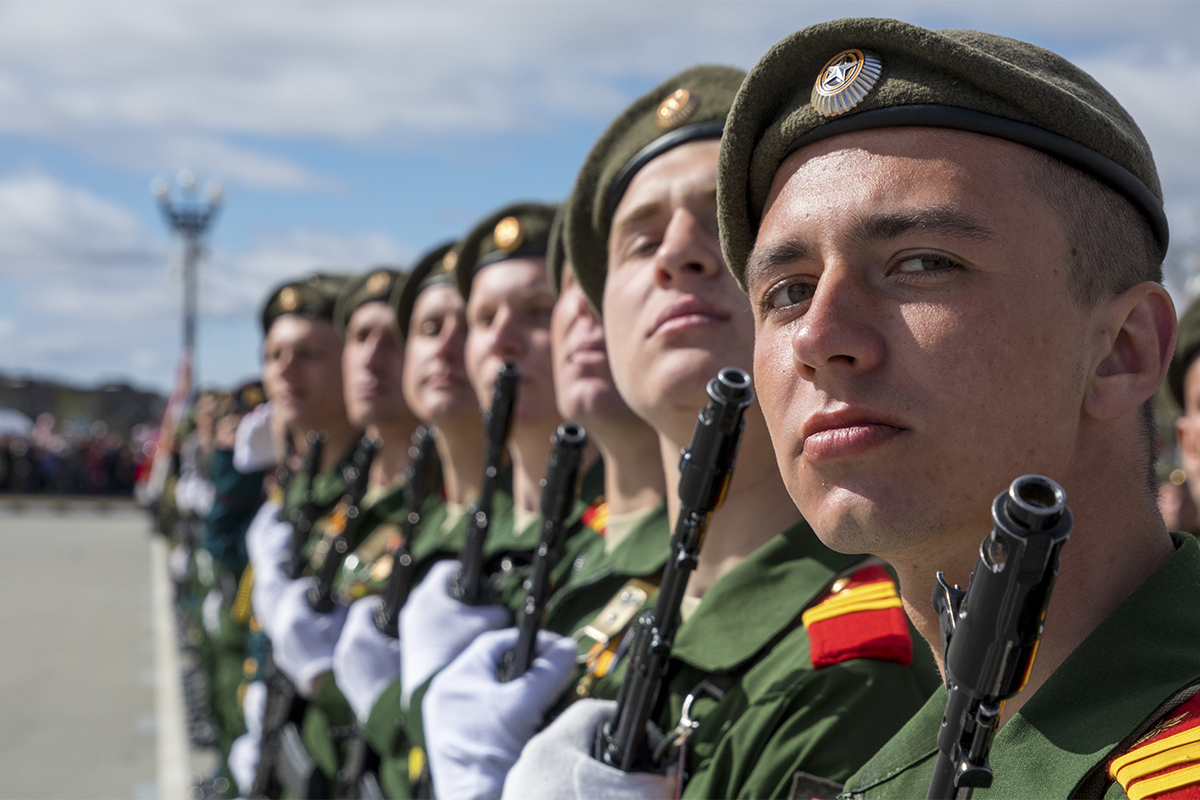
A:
[372,364]
[582,378]
[302,373]
[508,321]
[435,378]
[917,348]
[673,315]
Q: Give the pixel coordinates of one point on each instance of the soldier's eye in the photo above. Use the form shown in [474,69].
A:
[789,295]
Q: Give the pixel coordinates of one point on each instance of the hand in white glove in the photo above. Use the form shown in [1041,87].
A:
[244,754]
[210,612]
[253,448]
[435,628]
[269,544]
[365,660]
[302,640]
[558,763]
[475,726]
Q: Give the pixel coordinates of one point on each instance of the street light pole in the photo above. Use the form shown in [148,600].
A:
[190,218]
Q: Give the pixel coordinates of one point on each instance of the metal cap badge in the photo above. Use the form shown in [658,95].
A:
[378,282]
[844,81]
[508,234]
[289,300]
[676,109]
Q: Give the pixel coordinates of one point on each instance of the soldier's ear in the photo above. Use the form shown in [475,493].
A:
[1133,338]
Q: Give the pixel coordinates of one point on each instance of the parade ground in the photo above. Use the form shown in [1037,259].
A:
[90,698]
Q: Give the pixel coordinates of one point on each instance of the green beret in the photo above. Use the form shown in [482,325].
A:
[1187,347]
[556,250]
[314,297]
[860,74]
[521,230]
[689,106]
[373,286]
[435,267]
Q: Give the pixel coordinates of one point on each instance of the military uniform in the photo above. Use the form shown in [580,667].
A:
[768,702]
[1126,686]
[1097,726]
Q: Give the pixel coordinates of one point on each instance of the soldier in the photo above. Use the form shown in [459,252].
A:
[470,752]
[302,379]
[500,271]
[953,251]
[431,325]
[745,676]
[372,369]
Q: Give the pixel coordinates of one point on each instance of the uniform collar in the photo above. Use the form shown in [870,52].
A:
[748,606]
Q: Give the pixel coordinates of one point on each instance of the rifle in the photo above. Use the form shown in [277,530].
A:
[343,522]
[990,631]
[706,469]
[471,585]
[418,482]
[558,498]
[302,516]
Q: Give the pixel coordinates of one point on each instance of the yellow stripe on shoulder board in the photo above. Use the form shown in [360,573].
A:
[868,597]
[1138,770]
[1161,746]
[1164,783]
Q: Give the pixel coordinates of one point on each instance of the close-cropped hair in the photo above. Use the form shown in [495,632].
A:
[1112,247]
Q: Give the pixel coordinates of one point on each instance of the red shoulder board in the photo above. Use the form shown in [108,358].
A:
[1165,763]
[596,517]
[861,617]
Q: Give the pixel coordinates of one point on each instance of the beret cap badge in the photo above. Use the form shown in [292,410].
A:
[508,234]
[378,282]
[676,109]
[289,300]
[844,81]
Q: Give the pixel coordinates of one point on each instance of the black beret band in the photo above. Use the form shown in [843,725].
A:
[964,119]
[709,129]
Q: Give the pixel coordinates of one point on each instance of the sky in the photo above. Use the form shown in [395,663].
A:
[353,134]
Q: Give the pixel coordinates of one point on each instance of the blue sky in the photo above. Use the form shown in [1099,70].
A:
[349,134]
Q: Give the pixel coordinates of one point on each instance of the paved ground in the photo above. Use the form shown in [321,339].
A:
[79,665]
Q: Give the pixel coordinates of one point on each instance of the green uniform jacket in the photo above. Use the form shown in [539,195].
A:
[595,576]
[781,715]
[329,723]
[1131,664]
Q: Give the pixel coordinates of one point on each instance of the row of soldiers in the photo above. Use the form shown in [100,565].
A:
[939,254]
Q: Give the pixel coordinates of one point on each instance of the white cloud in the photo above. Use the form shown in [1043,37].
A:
[85,289]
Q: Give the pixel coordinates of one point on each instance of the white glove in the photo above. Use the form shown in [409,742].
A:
[244,754]
[269,544]
[253,448]
[435,628]
[210,612]
[475,726]
[365,660]
[302,640]
[178,563]
[558,763]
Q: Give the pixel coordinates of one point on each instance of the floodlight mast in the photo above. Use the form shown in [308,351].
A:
[191,218]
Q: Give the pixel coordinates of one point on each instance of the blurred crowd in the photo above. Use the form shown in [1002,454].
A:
[66,459]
